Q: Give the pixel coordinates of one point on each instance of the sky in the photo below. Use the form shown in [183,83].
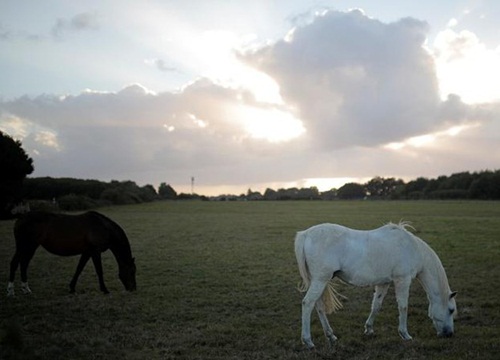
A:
[251,94]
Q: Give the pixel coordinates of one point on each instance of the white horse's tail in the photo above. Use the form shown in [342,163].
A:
[330,295]
[300,238]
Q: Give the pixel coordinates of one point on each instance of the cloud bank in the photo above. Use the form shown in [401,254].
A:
[363,96]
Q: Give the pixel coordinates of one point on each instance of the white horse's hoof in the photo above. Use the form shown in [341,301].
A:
[309,344]
[405,336]
[369,330]
[332,339]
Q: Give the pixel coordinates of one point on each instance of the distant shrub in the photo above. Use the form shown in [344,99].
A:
[44,205]
[72,202]
[118,196]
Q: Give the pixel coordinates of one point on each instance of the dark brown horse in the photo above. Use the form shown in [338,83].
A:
[88,234]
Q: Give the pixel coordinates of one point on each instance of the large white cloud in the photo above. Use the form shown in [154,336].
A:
[355,80]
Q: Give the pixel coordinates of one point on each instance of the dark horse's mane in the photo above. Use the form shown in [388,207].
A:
[38,215]
[118,234]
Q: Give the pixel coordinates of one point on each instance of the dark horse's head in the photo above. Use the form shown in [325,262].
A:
[127,275]
[120,247]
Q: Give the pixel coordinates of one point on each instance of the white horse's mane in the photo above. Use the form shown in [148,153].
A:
[403,225]
[432,259]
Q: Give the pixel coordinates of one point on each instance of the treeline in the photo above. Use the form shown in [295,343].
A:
[483,185]
[46,193]
[75,194]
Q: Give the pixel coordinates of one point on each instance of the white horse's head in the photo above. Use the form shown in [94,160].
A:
[442,315]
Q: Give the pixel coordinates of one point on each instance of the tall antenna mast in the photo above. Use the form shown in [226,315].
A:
[192,185]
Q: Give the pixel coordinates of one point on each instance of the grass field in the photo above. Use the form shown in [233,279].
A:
[218,281]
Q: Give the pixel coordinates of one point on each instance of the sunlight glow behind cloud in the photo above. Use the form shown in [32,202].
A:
[428,139]
[466,67]
[47,138]
[217,53]
[271,124]
[325,184]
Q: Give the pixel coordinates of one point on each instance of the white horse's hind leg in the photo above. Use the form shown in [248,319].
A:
[10,289]
[313,294]
[402,288]
[320,308]
[378,298]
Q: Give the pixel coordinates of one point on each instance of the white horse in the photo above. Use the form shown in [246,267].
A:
[370,258]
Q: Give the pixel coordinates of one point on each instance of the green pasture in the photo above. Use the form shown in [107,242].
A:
[218,281]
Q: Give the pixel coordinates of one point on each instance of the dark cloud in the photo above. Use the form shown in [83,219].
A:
[160,65]
[10,35]
[4,33]
[80,22]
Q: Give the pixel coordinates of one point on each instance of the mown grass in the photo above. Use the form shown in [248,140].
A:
[218,281]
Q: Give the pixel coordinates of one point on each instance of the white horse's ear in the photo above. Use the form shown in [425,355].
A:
[453,294]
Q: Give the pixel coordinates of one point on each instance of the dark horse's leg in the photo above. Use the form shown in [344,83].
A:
[81,264]
[96,259]
[26,246]
[25,259]
[23,256]
[13,266]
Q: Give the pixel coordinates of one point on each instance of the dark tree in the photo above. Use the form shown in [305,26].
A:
[15,165]
[384,188]
[148,193]
[270,194]
[351,191]
[486,186]
[415,188]
[167,192]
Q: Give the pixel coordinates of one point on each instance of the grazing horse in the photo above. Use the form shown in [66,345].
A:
[88,234]
[370,258]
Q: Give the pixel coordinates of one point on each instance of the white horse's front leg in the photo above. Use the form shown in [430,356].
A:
[313,294]
[378,298]
[402,288]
